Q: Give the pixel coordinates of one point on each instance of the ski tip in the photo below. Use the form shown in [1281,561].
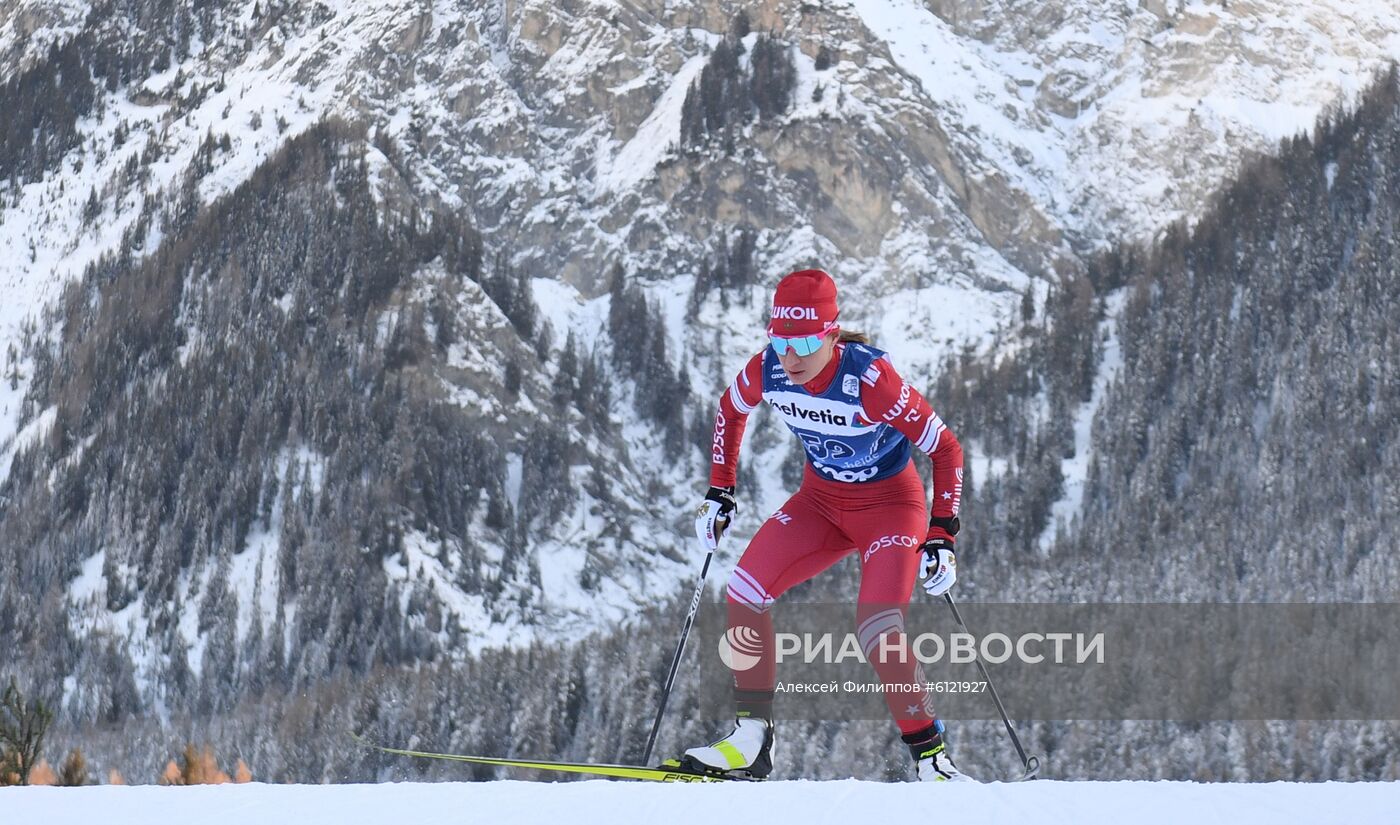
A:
[363,741]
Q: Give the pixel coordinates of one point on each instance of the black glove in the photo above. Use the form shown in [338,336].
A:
[714,515]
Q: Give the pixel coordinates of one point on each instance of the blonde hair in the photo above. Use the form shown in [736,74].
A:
[849,336]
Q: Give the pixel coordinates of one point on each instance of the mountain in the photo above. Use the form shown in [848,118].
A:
[346,339]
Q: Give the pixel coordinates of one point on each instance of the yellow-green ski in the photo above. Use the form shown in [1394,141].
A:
[669,771]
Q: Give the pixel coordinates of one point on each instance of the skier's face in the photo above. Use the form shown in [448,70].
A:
[803,368]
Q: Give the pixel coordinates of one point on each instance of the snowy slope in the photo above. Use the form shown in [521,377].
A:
[1118,118]
[1029,131]
[810,803]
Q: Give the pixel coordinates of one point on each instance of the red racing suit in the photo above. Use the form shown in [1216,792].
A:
[884,518]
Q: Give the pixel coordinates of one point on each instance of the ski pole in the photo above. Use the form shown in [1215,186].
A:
[1030,763]
[676,660]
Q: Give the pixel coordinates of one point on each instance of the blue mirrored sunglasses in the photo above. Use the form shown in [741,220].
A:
[805,345]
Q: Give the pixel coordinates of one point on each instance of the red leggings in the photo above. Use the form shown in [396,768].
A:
[822,523]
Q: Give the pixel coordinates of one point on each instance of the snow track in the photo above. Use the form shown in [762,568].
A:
[845,801]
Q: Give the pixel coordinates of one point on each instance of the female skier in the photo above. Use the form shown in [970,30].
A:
[858,422]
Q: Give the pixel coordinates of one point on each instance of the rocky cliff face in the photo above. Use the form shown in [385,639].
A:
[945,143]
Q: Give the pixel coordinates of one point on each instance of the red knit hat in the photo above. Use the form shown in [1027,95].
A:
[804,304]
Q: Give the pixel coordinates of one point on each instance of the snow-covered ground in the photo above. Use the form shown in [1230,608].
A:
[620,803]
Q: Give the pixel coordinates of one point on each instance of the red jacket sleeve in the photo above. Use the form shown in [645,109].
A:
[735,404]
[887,398]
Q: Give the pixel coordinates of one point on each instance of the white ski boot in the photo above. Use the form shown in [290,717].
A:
[931,756]
[747,751]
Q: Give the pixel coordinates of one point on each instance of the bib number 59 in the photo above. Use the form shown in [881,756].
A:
[829,448]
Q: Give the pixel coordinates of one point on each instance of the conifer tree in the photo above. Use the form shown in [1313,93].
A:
[23,725]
